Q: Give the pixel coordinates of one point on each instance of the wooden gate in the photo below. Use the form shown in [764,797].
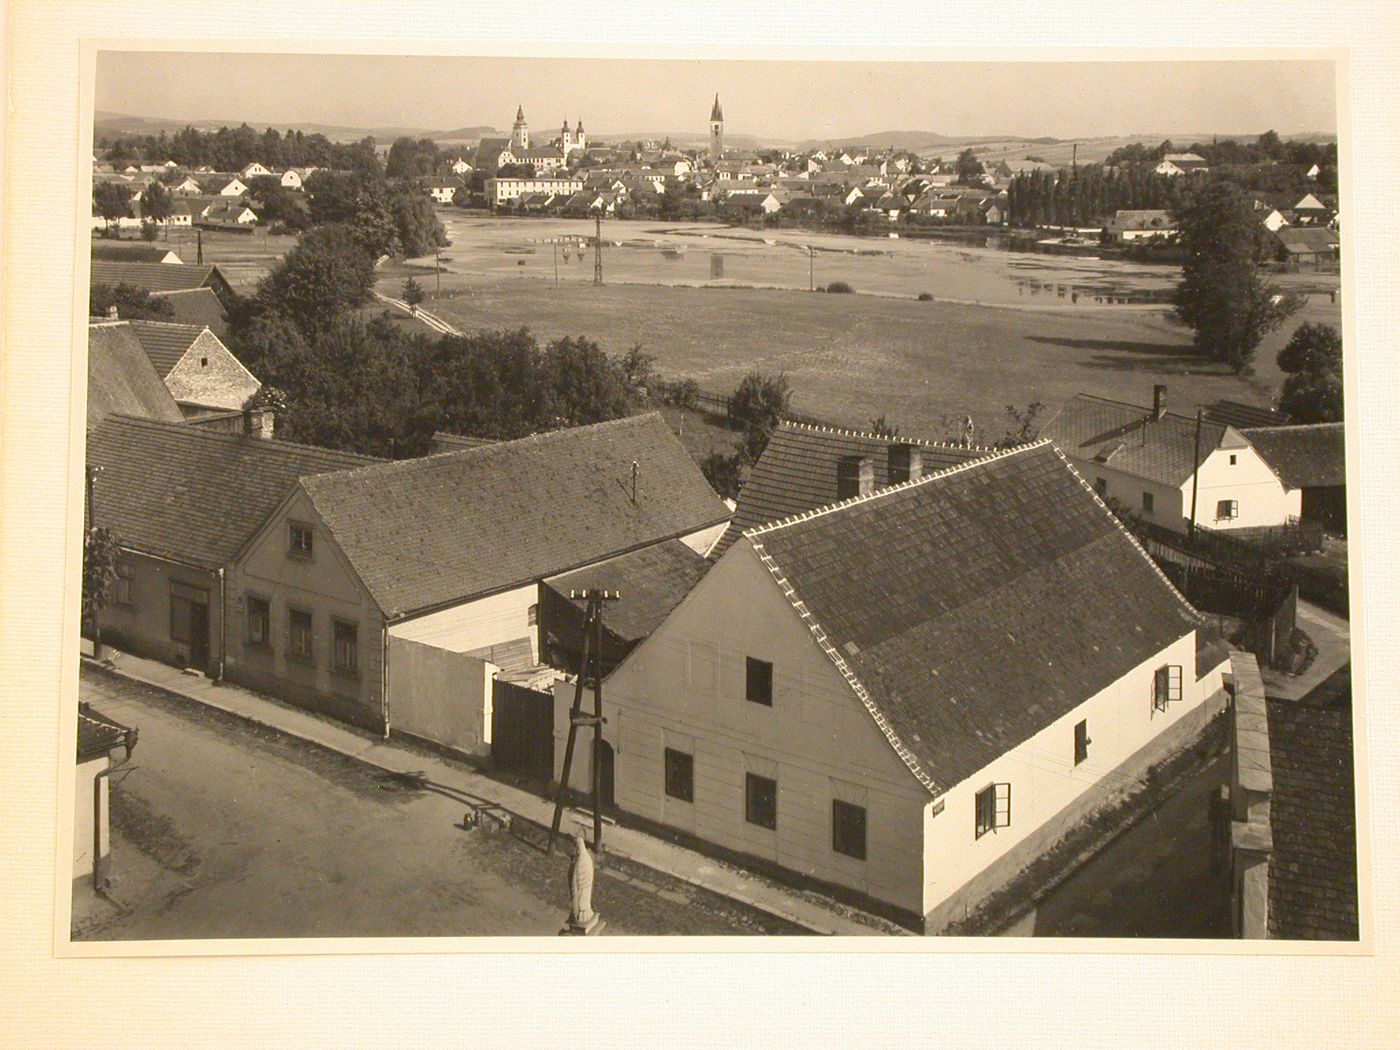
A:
[522,731]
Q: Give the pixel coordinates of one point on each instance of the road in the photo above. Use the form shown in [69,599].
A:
[1154,880]
[226,829]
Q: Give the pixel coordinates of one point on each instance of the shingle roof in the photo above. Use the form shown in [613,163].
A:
[1238,414]
[1312,814]
[98,734]
[199,306]
[1127,438]
[652,580]
[443,528]
[797,471]
[190,493]
[975,607]
[443,441]
[1307,239]
[1304,457]
[130,251]
[165,343]
[121,379]
[154,277]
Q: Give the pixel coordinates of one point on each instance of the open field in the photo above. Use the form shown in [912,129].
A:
[854,357]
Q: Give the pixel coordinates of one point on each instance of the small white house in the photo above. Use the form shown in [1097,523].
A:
[908,695]
[1174,164]
[1143,458]
[254,169]
[103,744]
[235,187]
[198,369]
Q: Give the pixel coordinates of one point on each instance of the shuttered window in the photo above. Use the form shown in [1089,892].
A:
[761,801]
[1166,686]
[992,808]
[848,829]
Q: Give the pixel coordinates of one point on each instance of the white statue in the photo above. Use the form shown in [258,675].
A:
[581,912]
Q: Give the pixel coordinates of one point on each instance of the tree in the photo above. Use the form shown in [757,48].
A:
[724,472]
[112,201]
[148,230]
[1022,426]
[276,204]
[156,203]
[413,294]
[970,169]
[1221,296]
[328,272]
[100,551]
[132,303]
[638,371]
[586,385]
[1312,393]
[416,228]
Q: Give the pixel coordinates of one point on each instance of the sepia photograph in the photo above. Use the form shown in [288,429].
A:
[672,501]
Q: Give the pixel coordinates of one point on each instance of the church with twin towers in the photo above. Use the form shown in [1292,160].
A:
[576,141]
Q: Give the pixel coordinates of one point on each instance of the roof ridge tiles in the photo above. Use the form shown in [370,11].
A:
[887,490]
[227,437]
[819,428]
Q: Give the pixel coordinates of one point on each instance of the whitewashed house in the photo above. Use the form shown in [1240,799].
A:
[908,695]
[235,187]
[1144,458]
[253,170]
[200,372]
[1174,164]
[103,744]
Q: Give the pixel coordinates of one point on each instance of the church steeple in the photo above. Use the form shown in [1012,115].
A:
[716,132]
[716,113]
[520,132]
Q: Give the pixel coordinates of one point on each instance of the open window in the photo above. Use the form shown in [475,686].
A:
[1166,686]
[993,808]
[1227,510]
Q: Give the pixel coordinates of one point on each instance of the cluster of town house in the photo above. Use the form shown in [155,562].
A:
[897,668]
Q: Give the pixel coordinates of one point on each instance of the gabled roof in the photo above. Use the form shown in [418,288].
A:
[1238,414]
[437,530]
[797,471]
[1127,438]
[1307,239]
[443,441]
[98,734]
[131,251]
[121,379]
[1304,457]
[165,343]
[971,609]
[199,306]
[193,494]
[653,580]
[1312,815]
[153,277]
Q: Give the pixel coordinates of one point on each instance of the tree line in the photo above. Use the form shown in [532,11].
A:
[232,149]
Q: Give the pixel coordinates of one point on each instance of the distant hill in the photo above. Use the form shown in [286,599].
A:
[910,140]
[112,125]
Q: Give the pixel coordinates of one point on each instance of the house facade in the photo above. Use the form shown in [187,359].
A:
[503,191]
[198,369]
[872,696]
[1167,469]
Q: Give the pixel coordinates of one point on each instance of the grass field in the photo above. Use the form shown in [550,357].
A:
[851,358]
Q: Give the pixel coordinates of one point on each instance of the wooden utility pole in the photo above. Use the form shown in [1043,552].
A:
[811,273]
[591,660]
[598,247]
[199,246]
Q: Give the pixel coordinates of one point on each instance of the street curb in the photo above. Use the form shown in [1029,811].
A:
[254,720]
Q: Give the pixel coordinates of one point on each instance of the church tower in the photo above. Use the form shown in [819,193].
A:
[566,139]
[520,131]
[716,132]
[580,139]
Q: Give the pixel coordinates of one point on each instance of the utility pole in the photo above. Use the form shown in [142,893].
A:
[1074,157]
[437,270]
[199,246]
[811,274]
[590,660]
[598,247]
[555,242]
[1195,473]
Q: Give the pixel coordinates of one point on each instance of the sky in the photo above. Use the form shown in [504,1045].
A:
[769,99]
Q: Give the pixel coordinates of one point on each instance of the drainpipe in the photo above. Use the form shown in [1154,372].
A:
[98,876]
[384,679]
[223,623]
[1195,473]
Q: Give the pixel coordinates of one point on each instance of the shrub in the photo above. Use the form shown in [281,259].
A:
[840,286]
[925,297]
[683,394]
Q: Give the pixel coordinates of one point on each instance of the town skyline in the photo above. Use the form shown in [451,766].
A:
[778,102]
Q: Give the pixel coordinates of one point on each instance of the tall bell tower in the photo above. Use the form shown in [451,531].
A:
[520,131]
[716,132]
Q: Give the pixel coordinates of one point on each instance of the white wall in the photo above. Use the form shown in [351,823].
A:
[684,688]
[1251,482]
[1043,777]
[701,542]
[440,695]
[1168,510]
[82,814]
[487,621]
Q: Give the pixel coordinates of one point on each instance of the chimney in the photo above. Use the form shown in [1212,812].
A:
[112,312]
[1159,401]
[259,423]
[906,462]
[855,476]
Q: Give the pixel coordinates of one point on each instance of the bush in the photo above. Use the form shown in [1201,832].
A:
[840,286]
[683,394]
[925,297]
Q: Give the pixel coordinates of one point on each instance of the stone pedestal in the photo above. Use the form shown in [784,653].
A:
[591,928]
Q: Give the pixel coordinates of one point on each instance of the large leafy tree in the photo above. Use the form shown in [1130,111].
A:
[112,201]
[100,552]
[1222,295]
[1312,393]
[970,169]
[132,303]
[329,272]
[156,203]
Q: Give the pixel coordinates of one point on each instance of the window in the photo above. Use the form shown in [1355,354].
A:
[259,621]
[1147,502]
[848,829]
[1166,686]
[680,775]
[122,592]
[1081,742]
[301,643]
[1227,509]
[345,655]
[299,539]
[532,616]
[1101,486]
[758,681]
[761,801]
[993,808]
[1234,460]
[204,362]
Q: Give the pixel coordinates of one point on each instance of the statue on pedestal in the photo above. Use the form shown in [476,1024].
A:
[583,920]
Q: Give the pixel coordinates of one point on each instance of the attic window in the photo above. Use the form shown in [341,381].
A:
[204,362]
[758,681]
[299,540]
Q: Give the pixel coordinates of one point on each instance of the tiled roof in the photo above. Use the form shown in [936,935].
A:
[98,734]
[1312,814]
[153,277]
[121,380]
[1127,438]
[1304,457]
[973,608]
[443,528]
[190,493]
[165,343]
[797,471]
[446,442]
[652,580]
[1238,414]
[199,306]
[1306,239]
[130,251]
